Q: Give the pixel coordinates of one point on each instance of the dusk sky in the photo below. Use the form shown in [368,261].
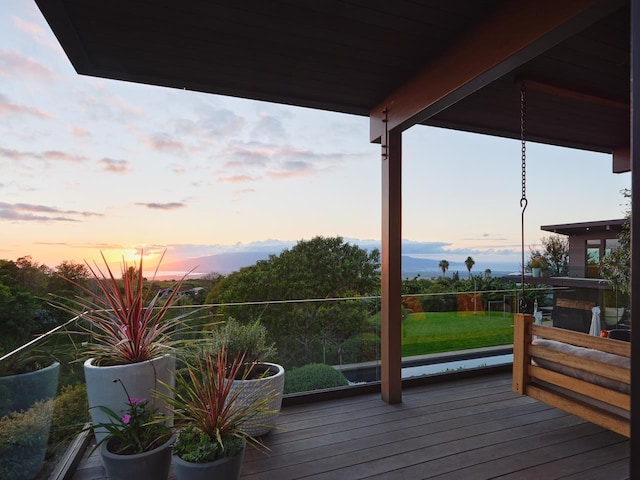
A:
[89,164]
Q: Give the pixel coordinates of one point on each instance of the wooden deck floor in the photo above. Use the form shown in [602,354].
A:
[465,429]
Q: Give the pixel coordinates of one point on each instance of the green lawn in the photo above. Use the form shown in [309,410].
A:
[435,332]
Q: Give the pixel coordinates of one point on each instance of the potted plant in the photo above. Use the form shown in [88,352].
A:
[257,378]
[537,264]
[28,387]
[210,443]
[138,442]
[130,338]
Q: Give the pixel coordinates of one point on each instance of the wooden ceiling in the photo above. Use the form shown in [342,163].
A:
[349,55]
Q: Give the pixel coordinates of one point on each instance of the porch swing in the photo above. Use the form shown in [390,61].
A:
[581,374]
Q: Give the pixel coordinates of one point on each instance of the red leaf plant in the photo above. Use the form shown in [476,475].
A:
[124,323]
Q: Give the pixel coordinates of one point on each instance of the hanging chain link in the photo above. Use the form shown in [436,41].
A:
[523,200]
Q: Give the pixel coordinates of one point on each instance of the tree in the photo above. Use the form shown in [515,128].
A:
[469,262]
[556,254]
[616,265]
[444,266]
[487,273]
[321,268]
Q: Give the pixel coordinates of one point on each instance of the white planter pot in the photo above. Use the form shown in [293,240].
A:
[141,380]
[261,387]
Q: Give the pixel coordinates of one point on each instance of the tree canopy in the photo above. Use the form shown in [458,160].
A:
[320,268]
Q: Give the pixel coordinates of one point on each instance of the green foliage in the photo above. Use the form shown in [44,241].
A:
[125,323]
[204,398]
[313,376]
[249,339]
[315,269]
[23,441]
[193,445]
[363,347]
[70,413]
[137,430]
[616,265]
[435,332]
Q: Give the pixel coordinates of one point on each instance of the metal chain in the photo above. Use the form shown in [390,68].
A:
[523,200]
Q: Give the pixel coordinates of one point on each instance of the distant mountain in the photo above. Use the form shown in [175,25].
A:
[223,263]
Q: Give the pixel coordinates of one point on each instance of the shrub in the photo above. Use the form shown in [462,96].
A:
[237,339]
[313,376]
[70,413]
[363,347]
[23,441]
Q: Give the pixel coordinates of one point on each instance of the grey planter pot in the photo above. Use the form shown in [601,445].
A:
[151,465]
[27,401]
[252,389]
[224,469]
[140,379]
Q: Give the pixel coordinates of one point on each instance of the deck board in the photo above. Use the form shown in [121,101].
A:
[472,428]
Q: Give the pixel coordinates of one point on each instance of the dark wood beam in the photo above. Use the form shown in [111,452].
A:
[512,36]
[391,287]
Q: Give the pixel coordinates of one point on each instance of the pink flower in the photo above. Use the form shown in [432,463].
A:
[126,418]
[133,400]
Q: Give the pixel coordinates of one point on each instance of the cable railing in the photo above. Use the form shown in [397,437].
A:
[441,332]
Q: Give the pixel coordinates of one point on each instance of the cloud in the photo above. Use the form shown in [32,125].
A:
[25,212]
[163,142]
[162,206]
[37,33]
[14,65]
[293,169]
[270,128]
[237,179]
[79,131]
[55,155]
[210,122]
[7,108]
[115,166]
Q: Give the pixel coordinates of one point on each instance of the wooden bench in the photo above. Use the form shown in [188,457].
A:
[581,374]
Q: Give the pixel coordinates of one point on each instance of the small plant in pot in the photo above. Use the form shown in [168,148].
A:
[257,378]
[131,336]
[138,443]
[210,443]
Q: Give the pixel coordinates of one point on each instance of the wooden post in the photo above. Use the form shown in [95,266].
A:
[391,288]
[634,466]
[521,340]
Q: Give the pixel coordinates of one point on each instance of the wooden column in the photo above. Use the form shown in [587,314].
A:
[391,266]
[521,359]
[635,240]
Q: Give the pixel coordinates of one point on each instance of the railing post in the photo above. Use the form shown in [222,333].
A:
[521,339]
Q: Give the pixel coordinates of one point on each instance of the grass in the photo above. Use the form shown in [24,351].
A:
[435,332]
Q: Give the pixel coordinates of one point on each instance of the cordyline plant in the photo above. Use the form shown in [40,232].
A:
[125,324]
[210,412]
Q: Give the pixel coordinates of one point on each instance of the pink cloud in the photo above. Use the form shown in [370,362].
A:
[40,213]
[163,142]
[79,131]
[7,108]
[115,166]
[163,206]
[55,155]
[237,179]
[13,64]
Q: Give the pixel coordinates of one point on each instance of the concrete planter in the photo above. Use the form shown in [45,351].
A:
[141,380]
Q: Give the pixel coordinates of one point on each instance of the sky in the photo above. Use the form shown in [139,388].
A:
[90,165]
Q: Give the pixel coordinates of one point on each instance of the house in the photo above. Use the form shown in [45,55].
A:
[575,294]
[470,66]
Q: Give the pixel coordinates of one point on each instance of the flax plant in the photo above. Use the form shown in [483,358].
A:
[125,323]
[209,411]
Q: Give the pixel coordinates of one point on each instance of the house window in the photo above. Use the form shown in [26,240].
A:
[610,245]
[593,258]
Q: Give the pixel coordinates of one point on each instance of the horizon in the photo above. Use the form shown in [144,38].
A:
[94,165]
